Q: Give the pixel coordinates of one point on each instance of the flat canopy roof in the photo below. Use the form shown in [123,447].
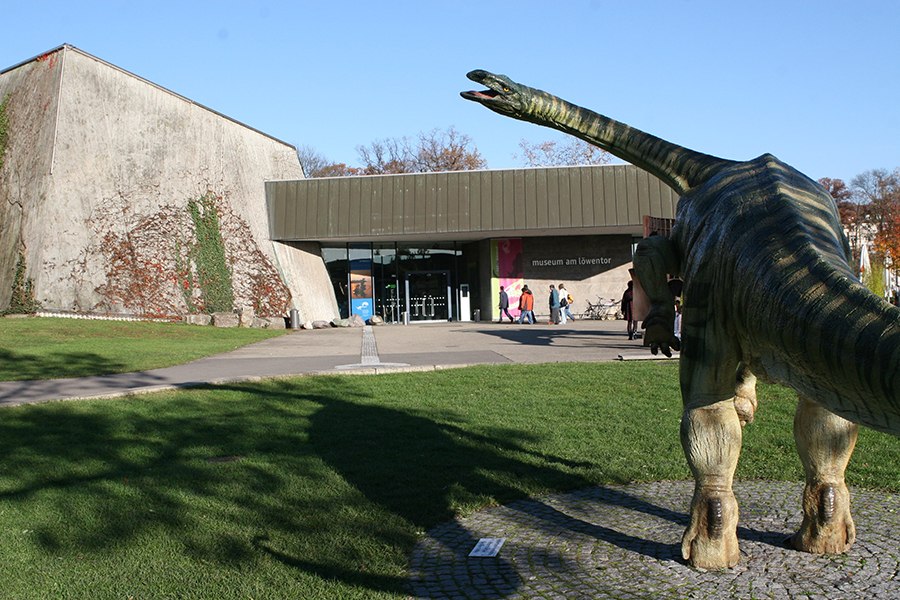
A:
[468,205]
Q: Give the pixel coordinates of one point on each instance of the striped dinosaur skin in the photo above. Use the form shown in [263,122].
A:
[764,257]
[768,292]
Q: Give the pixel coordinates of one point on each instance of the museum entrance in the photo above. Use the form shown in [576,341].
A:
[428,296]
[403,282]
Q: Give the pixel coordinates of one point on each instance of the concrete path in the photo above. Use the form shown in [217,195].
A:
[625,542]
[354,350]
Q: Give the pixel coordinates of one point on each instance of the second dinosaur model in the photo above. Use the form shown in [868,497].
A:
[768,292]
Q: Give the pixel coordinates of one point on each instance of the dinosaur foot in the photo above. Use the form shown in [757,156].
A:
[710,541]
[827,526]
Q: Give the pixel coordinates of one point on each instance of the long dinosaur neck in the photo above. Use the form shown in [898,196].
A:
[678,167]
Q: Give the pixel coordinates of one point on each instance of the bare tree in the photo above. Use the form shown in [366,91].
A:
[570,152]
[432,151]
[879,189]
[436,150]
[446,151]
[311,161]
[384,157]
[315,165]
[338,170]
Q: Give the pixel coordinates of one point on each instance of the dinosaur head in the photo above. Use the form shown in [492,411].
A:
[503,95]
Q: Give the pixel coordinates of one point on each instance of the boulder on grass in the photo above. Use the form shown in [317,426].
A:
[225,319]
[246,314]
[198,319]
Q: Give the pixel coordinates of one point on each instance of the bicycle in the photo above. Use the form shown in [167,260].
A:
[601,310]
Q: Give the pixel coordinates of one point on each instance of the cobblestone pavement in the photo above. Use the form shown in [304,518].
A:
[625,542]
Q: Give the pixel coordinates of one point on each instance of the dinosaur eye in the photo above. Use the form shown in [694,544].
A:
[505,89]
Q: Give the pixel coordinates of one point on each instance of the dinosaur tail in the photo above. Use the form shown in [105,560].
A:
[842,344]
[678,167]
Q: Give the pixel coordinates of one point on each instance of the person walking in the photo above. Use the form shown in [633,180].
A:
[504,306]
[628,309]
[526,306]
[554,305]
[565,312]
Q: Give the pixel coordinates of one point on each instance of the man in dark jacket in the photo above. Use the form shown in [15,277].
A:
[554,305]
[504,306]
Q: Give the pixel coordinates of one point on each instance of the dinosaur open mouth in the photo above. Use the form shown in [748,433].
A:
[486,94]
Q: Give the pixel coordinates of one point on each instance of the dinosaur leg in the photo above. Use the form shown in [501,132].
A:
[825,442]
[711,437]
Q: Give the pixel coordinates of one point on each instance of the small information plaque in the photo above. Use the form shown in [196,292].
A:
[487,547]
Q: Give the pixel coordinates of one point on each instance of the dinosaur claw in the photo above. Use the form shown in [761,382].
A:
[656,348]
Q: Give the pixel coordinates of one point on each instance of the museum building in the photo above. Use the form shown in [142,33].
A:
[112,164]
[433,247]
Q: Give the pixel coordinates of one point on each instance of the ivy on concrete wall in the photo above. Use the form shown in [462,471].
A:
[4,127]
[22,300]
[196,256]
[184,276]
[213,274]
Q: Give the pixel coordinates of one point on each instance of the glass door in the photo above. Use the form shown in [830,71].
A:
[428,296]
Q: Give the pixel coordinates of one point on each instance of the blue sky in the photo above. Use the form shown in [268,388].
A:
[815,83]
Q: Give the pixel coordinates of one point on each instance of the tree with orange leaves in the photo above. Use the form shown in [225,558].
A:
[880,191]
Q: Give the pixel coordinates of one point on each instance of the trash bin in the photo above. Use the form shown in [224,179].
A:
[295,319]
[476,315]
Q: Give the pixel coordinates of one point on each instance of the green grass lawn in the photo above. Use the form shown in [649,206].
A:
[48,348]
[319,487]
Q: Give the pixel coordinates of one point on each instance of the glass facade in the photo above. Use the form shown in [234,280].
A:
[402,282]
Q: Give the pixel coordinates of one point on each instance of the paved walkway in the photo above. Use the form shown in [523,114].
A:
[356,350]
[625,542]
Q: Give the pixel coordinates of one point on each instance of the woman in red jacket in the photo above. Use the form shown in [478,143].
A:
[526,306]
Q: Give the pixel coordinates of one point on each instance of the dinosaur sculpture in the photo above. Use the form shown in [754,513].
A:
[768,292]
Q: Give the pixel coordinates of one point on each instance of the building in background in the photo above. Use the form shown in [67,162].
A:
[120,197]
[437,246]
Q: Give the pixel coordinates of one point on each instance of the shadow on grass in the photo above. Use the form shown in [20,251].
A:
[313,475]
[20,367]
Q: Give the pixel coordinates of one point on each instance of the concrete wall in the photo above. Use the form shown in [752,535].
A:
[31,96]
[110,231]
[304,272]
